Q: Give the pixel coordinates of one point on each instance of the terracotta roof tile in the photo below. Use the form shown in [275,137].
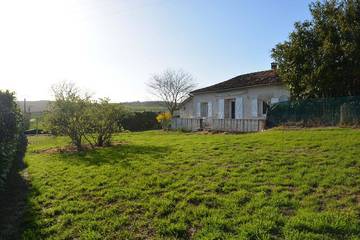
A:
[268,77]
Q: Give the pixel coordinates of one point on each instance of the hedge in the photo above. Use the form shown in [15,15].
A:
[139,121]
[13,141]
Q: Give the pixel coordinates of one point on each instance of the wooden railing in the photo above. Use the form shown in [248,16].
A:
[238,125]
[188,124]
[226,125]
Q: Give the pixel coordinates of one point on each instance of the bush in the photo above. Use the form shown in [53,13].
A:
[104,116]
[139,121]
[164,119]
[13,141]
[68,114]
[82,119]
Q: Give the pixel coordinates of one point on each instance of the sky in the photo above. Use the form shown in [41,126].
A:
[111,48]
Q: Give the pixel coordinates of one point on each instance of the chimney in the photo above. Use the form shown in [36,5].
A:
[273,65]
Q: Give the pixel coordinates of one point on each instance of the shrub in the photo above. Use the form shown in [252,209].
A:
[13,142]
[104,117]
[68,113]
[164,119]
[81,118]
[139,121]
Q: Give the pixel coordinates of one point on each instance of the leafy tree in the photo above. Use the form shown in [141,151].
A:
[172,87]
[321,58]
[68,114]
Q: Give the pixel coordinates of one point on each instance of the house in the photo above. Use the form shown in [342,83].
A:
[244,97]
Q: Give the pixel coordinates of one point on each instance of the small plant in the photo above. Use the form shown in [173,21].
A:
[164,119]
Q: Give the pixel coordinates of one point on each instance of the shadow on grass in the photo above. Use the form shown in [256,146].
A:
[13,202]
[123,154]
[119,154]
[30,230]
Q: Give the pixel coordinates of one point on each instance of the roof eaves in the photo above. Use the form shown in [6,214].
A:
[235,88]
[186,100]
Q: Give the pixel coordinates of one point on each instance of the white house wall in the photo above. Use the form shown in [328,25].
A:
[264,93]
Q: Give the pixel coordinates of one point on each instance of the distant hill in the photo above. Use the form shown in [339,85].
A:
[34,106]
[151,106]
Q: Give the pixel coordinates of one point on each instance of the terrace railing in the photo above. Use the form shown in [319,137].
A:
[226,125]
[238,125]
[187,124]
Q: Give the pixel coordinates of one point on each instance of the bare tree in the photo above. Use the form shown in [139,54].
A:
[172,87]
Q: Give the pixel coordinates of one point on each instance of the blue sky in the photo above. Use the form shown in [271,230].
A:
[111,48]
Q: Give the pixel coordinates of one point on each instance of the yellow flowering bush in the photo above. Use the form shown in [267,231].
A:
[164,119]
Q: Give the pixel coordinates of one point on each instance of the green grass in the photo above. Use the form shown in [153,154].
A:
[301,184]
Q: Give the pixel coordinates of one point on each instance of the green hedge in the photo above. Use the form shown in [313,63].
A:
[139,121]
[13,141]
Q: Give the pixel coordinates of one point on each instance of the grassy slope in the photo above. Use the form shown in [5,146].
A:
[271,185]
[149,106]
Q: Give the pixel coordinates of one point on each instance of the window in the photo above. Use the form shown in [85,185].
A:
[232,109]
[204,109]
[229,108]
[265,107]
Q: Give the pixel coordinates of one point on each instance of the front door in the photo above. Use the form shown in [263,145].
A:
[229,108]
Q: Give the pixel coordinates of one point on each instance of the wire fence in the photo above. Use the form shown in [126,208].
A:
[340,111]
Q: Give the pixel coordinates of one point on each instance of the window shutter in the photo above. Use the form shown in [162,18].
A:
[254,107]
[198,110]
[209,109]
[221,109]
[239,108]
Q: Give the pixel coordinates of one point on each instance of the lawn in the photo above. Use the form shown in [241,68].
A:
[296,184]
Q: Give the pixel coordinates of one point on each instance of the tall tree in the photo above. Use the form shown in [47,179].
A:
[321,58]
[172,87]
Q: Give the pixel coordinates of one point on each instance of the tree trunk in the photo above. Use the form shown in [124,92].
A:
[100,141]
